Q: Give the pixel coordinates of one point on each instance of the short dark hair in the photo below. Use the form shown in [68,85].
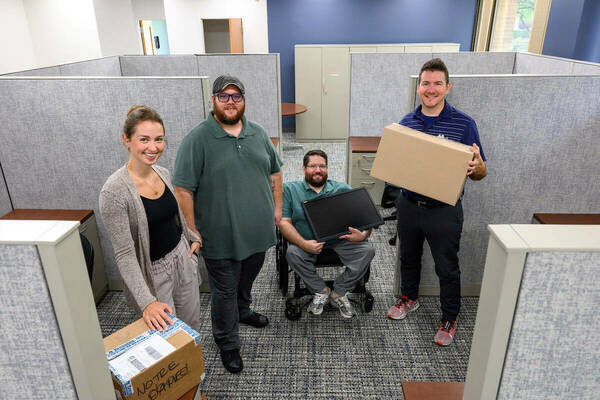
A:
[435,64]
[137,114]
[319,153]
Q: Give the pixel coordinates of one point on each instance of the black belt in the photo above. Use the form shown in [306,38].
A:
[424,203]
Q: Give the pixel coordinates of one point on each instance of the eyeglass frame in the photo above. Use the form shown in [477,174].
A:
[315,166]
[229,96]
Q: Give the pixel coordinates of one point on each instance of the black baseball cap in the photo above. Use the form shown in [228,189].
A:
[225,80]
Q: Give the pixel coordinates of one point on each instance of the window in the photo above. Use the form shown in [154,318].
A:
[511,25]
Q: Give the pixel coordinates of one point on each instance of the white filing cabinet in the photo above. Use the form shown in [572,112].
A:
[322,74]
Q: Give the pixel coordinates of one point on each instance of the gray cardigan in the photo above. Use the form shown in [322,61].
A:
[124,217]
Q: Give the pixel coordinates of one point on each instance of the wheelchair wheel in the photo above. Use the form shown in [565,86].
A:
[367,305]
[293,312]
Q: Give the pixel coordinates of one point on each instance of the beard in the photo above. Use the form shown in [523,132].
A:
[310,179]
[224,119]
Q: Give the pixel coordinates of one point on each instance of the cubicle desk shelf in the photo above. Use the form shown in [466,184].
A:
[566,219]
[433,390]
[87,227]
[362,153]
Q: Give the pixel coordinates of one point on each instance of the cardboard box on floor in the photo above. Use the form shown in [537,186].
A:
[170,377]
[425,164]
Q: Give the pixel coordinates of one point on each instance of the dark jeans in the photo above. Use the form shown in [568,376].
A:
[230,298]
[441,227]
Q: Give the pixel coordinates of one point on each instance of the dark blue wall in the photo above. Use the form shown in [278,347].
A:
[563,24]
[588,37]
[573,30]
[294,22]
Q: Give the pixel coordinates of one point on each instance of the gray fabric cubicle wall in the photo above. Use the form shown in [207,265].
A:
[550,352]
[5,206]
[258,72]
[38,346]
[61,136]
[540,136]
[172,65]
[527,63]
[107,66]
[381,82]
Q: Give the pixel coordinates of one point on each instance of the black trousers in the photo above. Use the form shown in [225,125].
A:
[442,227]
[230,296]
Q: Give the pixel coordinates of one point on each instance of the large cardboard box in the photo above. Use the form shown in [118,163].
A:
[170,377]
[432,166]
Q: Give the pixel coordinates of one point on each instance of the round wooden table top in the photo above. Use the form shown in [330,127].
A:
[288,109]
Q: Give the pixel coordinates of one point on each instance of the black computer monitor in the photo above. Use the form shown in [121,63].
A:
[330,216]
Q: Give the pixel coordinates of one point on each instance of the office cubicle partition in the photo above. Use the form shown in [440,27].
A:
[380,91]
[536,327]
[51,340]
[107,66]
[62,136]
[529,63]
[172,65]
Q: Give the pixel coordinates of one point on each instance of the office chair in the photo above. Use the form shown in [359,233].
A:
[301,296]
[388,200]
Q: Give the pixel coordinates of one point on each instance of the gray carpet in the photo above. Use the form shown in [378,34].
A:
[327,357]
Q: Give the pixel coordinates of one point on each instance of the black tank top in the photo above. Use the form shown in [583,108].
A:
[164,232]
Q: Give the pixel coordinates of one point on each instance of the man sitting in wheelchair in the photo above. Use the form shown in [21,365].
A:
[353,249]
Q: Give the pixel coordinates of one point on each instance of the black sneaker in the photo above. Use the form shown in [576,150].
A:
[232,360]
[256,320]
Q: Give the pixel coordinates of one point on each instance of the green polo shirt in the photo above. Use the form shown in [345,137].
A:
[294,193]
[230,179]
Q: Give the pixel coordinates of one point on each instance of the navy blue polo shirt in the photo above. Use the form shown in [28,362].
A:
[451,124]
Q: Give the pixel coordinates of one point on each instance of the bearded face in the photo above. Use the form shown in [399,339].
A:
[229,112]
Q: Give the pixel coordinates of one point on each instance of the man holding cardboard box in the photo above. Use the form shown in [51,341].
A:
[421,217]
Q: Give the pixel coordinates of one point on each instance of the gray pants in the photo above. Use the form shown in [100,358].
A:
[230,296]
[356,256]
[175,278]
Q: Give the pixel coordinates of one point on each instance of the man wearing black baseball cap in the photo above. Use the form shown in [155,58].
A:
[228,183]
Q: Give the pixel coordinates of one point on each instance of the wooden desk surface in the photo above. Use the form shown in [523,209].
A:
[54,215]
[364,144]
[275,141]
[433,390]
[288,109]
[567,219]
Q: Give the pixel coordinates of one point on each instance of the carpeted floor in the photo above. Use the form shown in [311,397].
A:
[327,357]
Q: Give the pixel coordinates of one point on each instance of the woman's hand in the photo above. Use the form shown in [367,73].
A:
[194,248]
[155,317]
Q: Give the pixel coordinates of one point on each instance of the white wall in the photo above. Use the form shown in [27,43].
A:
[16,52]
[184,23]
[148,9]
[117,28]
[62,31]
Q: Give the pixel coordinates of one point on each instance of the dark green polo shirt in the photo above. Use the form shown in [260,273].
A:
[230,179]
[294,193]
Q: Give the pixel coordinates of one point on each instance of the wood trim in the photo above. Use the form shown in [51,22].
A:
[483,31]
[142,35]
[538,26]
[151,39]
[236,36]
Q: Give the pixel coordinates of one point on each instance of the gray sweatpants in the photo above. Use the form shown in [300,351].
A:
[356,256]
[175,278]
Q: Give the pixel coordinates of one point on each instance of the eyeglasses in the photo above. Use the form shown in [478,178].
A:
[315,166]
[224,97]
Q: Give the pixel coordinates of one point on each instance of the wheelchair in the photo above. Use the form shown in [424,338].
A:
[301,296]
